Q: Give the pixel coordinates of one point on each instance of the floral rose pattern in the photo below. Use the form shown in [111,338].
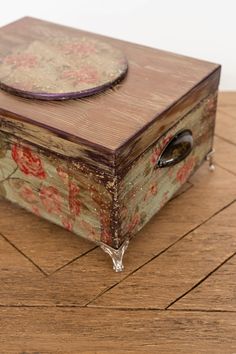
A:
[82,48]
[53,188]
[58,65]
[153,189]
[106,236]
[74,202]
[158,150]
[67,223]
[26,192]
[28,162]
[51,199]
[35,210]
[146,188]
[85,75]
[63,175]
[135,220]
[184,172]
[22,60]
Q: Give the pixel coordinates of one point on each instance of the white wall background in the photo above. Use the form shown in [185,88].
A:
[205,29]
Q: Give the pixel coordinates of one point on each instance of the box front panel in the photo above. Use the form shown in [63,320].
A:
[55,189]
[146,188]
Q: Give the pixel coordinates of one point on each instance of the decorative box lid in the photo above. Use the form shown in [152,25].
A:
[119,122]
[51,65]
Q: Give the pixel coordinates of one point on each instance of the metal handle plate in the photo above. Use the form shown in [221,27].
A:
[177,149]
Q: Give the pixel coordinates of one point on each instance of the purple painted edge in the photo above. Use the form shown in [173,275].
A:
[65,96]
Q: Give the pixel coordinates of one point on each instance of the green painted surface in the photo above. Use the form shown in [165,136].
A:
[60,190]
[54,189]
[145,188]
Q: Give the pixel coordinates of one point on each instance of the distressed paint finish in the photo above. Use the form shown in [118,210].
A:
[89,165]
[57,66]
[55,189]
[98,206]
[145,188]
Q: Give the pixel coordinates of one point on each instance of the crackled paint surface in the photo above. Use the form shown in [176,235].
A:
[59,65]
[146,189]
[51,188]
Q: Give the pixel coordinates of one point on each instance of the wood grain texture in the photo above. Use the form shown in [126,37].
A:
[100,331]
[227,99]
[145,189]
[86,278]
[156,81]
[228,110]
[217,293]
[179,268]
[225,154]
[226,125]
[101,198]
[60,322]
[47,245]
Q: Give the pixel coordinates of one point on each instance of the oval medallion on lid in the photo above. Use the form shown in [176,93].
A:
[58,68]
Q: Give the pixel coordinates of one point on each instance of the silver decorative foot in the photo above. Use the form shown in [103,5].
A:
[210,159]
[116,255]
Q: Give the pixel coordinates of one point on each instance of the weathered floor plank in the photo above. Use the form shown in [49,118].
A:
[227,99]
[48,245]
[83,280]
[225,155]
[63,330]
[226,126]
[180,268]
[218,292]
[229,110]
[18,277]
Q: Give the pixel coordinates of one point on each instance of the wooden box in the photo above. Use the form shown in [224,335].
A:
[100,166]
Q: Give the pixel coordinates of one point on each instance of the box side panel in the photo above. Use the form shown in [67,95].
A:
[149,134]
[55,188]
[145,188]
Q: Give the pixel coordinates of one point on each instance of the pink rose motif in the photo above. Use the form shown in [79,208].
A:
[92,231]
[151,192]
[185,170]
[106,236]
[51,199]
[27,194]
[158,150]
[67,223]
[134,222]
[170,171]
[166,140]
[80,48]
[28,162]
[164,199]
[85,75]
[23,60]
[35,210]
[63,175]
[74,202]
[132,192]
[155,155]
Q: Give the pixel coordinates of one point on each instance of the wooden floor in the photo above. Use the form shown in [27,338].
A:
[59,294]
